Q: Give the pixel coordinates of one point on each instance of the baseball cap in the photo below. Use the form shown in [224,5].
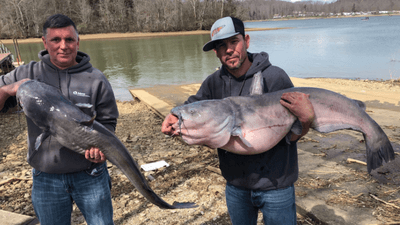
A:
[224,28]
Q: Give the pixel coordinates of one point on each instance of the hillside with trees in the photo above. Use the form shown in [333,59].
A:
[262,9]
[24,18]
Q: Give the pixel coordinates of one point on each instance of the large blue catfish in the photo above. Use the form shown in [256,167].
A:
[58,117]
[256,123]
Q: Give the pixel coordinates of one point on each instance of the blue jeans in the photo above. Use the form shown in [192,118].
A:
[54,194]
[277,206]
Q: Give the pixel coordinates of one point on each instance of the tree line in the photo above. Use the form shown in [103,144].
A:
[25,18]
[268,9]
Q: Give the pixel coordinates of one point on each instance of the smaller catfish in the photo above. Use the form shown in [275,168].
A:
[60,118]
[254,124]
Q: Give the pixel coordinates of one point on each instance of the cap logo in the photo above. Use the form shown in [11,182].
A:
[216,30]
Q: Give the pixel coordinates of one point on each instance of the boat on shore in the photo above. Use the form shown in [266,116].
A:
[7,60]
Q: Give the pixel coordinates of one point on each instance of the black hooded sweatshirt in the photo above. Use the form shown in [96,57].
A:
[274,169]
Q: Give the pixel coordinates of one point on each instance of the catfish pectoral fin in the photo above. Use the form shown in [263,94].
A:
[40,139]
[90,122]
[237,131]
[297,128]
[245,141]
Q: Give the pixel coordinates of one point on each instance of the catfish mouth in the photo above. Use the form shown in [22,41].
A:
[177,126]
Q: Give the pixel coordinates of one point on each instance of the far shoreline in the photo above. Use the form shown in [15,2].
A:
[133,35]
[136,35]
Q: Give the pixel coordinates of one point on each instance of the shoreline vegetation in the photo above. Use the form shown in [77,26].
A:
[134,35]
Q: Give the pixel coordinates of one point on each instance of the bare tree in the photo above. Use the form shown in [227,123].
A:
[19,16]
[84,12]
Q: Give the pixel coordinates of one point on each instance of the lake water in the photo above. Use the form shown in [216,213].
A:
[337,48]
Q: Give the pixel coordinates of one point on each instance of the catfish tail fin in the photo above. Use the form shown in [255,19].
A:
[378,149]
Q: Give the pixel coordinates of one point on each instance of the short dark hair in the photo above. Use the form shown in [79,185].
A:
[58,21]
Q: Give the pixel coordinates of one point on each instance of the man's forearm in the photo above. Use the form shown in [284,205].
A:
[7,91]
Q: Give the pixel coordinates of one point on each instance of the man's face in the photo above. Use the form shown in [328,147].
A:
[232,52]
[62,45]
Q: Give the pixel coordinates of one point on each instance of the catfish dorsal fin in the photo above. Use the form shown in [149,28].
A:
[257,84]
[90,122]
[360,104]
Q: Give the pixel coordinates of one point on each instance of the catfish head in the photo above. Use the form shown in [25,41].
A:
[32,100]
[208,122]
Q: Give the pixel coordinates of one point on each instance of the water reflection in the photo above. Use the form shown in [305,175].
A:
[133,63]
[339,48]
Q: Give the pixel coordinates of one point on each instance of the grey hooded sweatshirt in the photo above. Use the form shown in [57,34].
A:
[81,83]
[274,169]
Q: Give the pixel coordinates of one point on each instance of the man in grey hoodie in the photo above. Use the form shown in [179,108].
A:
[61,176]
[254,182]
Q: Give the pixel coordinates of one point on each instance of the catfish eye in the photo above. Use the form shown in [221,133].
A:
[192,111]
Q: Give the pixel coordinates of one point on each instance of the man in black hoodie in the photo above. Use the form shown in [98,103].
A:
[263,181]
[62,176]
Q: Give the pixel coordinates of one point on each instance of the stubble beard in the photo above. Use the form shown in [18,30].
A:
[237,66]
